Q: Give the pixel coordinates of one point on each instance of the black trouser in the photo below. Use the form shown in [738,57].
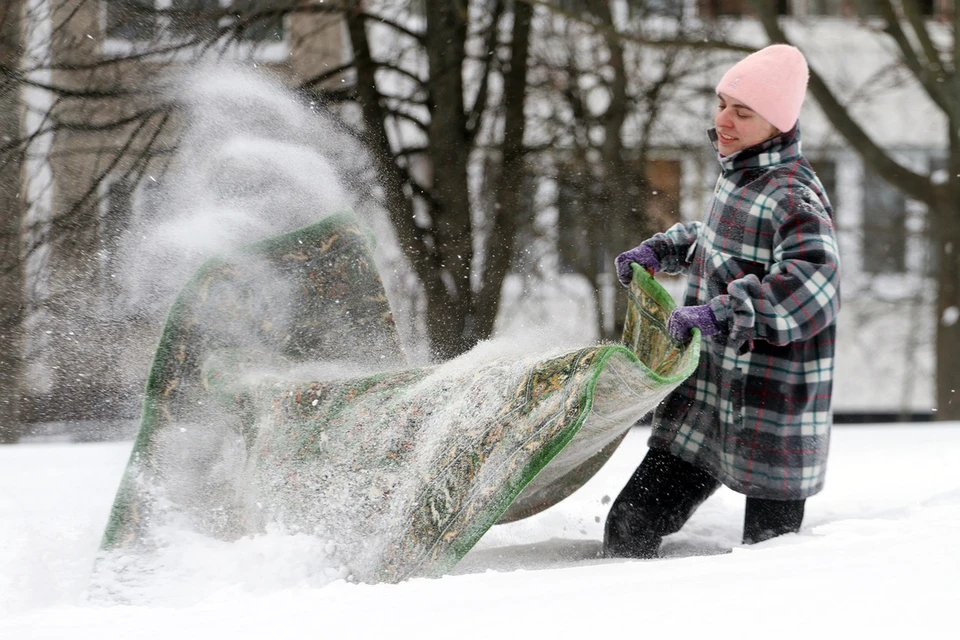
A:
[664,492]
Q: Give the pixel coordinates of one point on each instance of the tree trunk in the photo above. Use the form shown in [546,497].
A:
[947,215]
[424,254]
[450,296]
[392,177]
[439,240]
[623,188]
[943,202]
[616,190]
[509,190]
[11,210]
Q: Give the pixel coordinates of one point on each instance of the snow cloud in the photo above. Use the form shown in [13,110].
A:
[254,161]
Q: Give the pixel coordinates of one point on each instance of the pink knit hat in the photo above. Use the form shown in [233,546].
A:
[772,82]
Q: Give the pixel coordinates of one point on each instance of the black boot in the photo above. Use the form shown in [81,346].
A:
[765,519]
[658,499]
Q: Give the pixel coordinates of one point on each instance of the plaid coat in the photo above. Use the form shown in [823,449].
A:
[756,413]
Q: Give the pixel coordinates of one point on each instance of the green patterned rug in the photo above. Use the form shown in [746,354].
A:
[280,397]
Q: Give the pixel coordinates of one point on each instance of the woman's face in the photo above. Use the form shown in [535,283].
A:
[739,126]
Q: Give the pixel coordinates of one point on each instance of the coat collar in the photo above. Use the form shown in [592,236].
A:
[782,148]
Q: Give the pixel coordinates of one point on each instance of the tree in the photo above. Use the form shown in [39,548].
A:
[933,62]
[619,81]
[462,239]
[426,173]
[440,92]
[11,209]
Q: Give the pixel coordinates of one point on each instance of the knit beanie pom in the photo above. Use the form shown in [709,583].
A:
[772,82]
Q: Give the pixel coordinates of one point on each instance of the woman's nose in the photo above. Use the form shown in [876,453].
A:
[723,118]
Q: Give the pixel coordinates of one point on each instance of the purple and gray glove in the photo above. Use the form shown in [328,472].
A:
[643,256]
[683,319]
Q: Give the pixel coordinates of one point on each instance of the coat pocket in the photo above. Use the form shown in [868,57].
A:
[723,268]
[731,412]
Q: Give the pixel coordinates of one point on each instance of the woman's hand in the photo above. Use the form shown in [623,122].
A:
[643,256]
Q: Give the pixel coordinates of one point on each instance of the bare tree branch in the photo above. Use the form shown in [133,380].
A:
[480,101]
[914,184]
[507,210]
[927,77]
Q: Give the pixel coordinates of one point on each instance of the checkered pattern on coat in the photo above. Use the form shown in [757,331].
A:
[756,413]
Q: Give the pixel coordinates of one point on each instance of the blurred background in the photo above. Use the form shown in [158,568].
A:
[505,151]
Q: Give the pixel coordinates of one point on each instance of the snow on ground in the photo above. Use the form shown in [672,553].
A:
[879,553]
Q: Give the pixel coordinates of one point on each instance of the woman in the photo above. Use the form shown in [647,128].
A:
[763,290]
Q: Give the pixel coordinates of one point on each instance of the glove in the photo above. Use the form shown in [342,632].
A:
[683,319]
[643,256]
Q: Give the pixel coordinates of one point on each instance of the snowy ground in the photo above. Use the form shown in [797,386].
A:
[879,553]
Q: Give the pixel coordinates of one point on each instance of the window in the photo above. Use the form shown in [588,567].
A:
[115,214]
[123,204]
[663,199]
[255,21]
[579,207]
[824,7]
[641,8]
[584,212]
[930,261]
[826,171]
[666,8]
[716,8]
[852,8]
[884,226]
[569,6]
[926,7]
[131,19]
[194,18]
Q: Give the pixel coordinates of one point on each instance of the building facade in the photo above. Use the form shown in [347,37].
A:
[103,140]
[114,64]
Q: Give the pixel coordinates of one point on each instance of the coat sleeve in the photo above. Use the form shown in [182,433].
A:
[800,295]
[674,247]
